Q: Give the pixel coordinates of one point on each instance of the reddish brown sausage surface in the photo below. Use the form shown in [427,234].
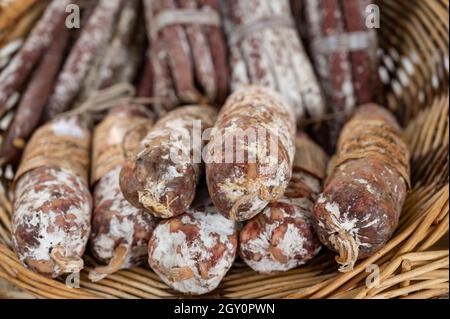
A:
[188,53]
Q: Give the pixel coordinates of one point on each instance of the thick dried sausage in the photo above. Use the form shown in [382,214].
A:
[359,208]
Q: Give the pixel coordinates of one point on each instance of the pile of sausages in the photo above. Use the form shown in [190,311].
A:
[185,186]
[342,41]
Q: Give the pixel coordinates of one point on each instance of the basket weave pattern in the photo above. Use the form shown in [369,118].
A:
[414,63]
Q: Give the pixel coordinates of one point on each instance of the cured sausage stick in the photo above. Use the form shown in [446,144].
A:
[145,84]
[52,202]
[116,55]
[363,196]
[193,252]
[19,68]
[201,54]
[283,237]
[188,53]
[250,154]
[34,99]
[343,50]
[158,70]
[91,42]
[178,55]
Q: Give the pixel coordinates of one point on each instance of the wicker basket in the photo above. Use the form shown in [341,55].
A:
[414,58]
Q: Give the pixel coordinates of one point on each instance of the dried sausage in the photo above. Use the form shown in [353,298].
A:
[250,153]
